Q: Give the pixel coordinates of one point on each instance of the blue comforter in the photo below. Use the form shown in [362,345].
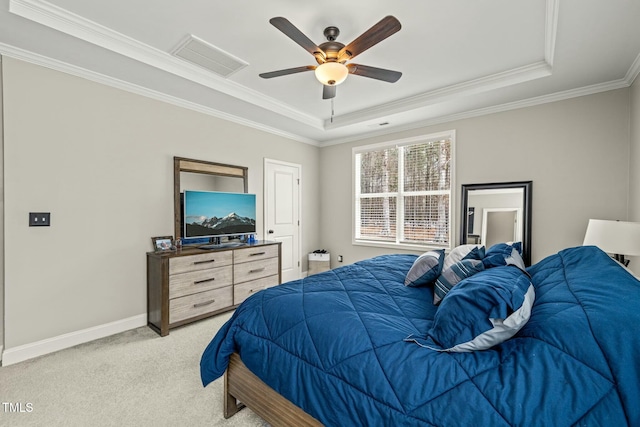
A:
[333,344]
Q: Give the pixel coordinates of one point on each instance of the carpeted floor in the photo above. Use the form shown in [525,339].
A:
[135,378]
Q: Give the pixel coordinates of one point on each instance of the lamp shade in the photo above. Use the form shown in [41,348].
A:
[614,237]
[331,73]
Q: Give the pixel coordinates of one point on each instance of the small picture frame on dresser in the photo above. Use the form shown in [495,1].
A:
[162,243]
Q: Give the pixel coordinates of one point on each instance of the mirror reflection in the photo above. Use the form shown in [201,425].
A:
[499,216]
[205,182]
[202,175]
[496,213]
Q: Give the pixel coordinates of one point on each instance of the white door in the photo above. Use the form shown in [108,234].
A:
[501,225]
[282,213]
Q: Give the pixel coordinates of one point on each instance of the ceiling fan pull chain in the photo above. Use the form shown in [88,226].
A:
[332,109]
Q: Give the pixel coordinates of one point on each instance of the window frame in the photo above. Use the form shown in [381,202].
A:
[398,243]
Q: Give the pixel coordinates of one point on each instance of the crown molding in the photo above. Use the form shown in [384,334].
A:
[23,55]
[55,17]
[483,84]
[69,23]
[506,78]
[531,102]
[33,58]
[633,71]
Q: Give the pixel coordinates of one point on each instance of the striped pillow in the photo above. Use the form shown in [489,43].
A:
[463,252]
[453,275]
[425,269]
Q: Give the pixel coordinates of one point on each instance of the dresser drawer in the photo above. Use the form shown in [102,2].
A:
[187,285]
[198,281]
[254,254]
[244,290]
[255,270]
[200,262]
[201,303]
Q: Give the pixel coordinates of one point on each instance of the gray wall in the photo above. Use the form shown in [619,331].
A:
[101,161]
[575,152]
[1,217]
[634,162]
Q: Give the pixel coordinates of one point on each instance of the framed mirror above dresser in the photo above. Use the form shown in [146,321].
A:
[204,176]
[497,212]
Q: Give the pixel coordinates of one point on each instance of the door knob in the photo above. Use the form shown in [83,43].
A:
[270,232]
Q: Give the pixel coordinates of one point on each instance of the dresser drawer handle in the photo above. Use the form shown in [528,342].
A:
[257,270]
[257,253]
[202,304]
[197,282]
[204,262]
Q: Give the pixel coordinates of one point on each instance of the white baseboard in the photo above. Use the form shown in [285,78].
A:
[49,345]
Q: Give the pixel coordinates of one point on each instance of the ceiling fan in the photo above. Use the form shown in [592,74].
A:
[332,56]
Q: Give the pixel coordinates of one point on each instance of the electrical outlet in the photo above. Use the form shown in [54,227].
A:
[339,258]
[39,219]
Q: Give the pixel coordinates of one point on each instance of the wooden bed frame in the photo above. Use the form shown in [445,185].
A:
[242,388]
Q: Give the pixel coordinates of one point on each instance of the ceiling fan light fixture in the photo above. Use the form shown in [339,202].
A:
[331,73]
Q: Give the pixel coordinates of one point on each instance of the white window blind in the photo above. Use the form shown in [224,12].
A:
[403,192]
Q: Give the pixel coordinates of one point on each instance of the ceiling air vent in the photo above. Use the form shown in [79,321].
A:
[208,56]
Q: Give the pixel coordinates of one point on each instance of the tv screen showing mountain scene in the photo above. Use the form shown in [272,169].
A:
[210,213]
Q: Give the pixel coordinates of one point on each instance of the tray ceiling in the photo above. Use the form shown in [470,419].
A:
[458,58]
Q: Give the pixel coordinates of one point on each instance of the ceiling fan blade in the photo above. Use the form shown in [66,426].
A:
[287,71]
[387,26]
[297,36]
[328,92]
[374,73]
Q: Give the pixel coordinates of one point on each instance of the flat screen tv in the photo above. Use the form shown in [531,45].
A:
[218,214]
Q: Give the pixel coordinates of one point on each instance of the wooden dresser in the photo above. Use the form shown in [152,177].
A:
[190,284]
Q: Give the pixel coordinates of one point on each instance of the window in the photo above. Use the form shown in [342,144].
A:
[402,192]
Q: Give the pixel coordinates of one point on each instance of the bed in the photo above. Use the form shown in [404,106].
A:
[356,346]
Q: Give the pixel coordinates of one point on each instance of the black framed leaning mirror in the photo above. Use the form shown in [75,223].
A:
[497,212]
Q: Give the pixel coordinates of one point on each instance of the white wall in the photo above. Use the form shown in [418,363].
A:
[575,152]
[101,161]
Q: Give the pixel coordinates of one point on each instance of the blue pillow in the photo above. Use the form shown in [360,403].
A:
[504,254]
[483,310]
[425,269]
[454,275]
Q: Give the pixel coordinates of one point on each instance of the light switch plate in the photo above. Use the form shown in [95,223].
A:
[39,219]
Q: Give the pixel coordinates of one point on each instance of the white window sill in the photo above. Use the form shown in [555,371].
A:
[394,245]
